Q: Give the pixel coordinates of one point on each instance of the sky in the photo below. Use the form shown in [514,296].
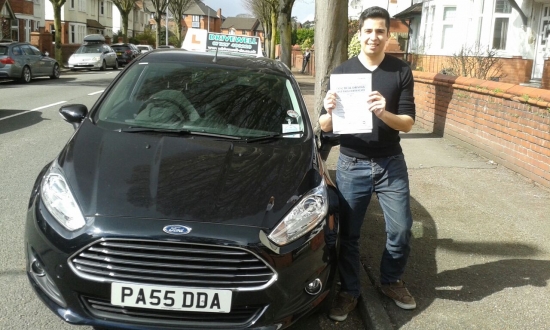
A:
[303,9]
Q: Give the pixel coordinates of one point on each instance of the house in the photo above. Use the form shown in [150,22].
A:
[246,26]
[20,18]
[80,18]
[516,30]
[197,16]
[138,20]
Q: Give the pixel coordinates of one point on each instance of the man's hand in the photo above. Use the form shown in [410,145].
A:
[330,102]
[376,104]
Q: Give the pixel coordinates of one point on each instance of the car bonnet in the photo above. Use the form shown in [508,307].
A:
[138,175]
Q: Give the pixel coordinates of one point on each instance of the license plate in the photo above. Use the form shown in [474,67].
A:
[119,54]
[173,298]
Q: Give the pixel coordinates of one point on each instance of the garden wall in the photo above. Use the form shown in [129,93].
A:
[507,123]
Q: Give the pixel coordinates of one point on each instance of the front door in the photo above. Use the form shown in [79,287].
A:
[542,49]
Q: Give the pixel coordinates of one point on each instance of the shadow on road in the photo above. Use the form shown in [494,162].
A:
[26,119]
[467,284]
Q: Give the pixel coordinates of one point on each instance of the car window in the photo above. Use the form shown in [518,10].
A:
[35,50]
[212,98]
[27,50]
[16,51]
[89,49]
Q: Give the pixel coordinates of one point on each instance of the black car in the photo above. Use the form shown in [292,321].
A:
[125,52]
[192,195]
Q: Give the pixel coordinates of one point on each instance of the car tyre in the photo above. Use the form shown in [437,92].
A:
[115,67]
[56,72]
[26,75]
[103,66]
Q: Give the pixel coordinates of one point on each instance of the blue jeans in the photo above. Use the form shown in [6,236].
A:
[357,180]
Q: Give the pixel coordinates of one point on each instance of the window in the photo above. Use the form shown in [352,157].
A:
[15,30]
[196,21]
[73,36]
[71,5]
[503,9]
[447,38]
[101,8]
[243,32]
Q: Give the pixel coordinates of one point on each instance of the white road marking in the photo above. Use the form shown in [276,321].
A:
[94,93]
[35,109]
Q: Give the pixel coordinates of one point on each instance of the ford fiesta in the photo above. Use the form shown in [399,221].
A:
[191,196]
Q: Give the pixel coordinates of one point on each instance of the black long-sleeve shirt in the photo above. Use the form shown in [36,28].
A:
[394,80]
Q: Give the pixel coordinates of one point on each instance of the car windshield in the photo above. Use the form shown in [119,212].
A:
[236,102]
[3,50]
[120,47]
[89,49]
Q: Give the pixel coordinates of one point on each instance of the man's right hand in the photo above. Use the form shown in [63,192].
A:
[330,102]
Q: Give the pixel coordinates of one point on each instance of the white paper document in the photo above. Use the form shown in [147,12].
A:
[351,114]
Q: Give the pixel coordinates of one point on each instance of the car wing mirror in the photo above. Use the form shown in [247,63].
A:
[73,113]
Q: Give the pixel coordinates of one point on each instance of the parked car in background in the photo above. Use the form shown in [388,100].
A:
[23,61]
[126,52]
[93,54]
[191,196]
[166,46]
[144,48]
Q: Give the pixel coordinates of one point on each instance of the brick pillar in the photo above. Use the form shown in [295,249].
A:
[43,40]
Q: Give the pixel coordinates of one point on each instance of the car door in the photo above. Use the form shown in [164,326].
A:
[110,55]
[32,59]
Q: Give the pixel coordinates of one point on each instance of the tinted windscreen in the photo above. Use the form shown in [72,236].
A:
[89,49]
[216,99]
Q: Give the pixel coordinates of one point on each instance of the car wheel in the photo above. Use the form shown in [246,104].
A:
[55,73]
[103,66]
[115,67]
[26,75]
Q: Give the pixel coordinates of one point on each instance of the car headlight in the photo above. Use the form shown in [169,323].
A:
[59,200]
[95,59]
[306,215]
[72,59]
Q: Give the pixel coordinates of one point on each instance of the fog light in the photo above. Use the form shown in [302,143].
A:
[314,287]
[37,268]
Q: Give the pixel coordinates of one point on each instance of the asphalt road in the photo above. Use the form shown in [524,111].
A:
[31,134]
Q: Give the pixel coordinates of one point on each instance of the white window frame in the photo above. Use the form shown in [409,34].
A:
[447,23]
[498,16]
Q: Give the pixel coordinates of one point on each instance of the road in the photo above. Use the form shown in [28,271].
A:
[31,134]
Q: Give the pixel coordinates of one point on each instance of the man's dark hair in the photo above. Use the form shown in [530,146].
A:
[375,12]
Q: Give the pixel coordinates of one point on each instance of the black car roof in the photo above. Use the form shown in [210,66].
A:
[224,59]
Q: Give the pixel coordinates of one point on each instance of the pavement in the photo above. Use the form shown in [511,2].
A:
[480,250]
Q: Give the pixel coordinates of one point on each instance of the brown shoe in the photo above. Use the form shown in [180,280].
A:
[341,306]
[399,293]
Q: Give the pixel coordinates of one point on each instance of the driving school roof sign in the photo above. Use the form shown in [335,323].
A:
[199,39]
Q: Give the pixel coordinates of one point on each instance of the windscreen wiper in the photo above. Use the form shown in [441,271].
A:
[138,129]
[273,136]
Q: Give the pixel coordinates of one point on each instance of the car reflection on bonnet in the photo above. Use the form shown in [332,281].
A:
[192,194]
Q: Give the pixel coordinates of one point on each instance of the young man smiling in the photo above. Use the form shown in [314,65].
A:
[374,163]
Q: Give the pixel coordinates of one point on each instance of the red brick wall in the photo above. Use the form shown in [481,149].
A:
[507,123]
[22,7]
[515,70]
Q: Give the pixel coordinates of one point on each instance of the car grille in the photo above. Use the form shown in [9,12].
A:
[173,263]
[238,317]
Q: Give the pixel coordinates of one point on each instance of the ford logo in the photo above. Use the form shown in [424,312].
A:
[176,230]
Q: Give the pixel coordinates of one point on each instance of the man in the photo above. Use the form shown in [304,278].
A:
[374,163]
[305,60]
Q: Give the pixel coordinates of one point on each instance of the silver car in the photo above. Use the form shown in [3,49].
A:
[93,56]
[23,61]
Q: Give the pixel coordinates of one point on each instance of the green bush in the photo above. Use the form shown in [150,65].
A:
[354,46]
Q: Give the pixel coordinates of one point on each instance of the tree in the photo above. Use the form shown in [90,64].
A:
[284,25]
[331,44]
[57,5]
[177,8]
[159,9]
[264,11]
[125,7]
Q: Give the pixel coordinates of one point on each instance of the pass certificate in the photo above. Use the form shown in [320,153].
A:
[351,115]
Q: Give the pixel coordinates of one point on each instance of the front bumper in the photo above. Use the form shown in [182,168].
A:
[80,300]
[85,65]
